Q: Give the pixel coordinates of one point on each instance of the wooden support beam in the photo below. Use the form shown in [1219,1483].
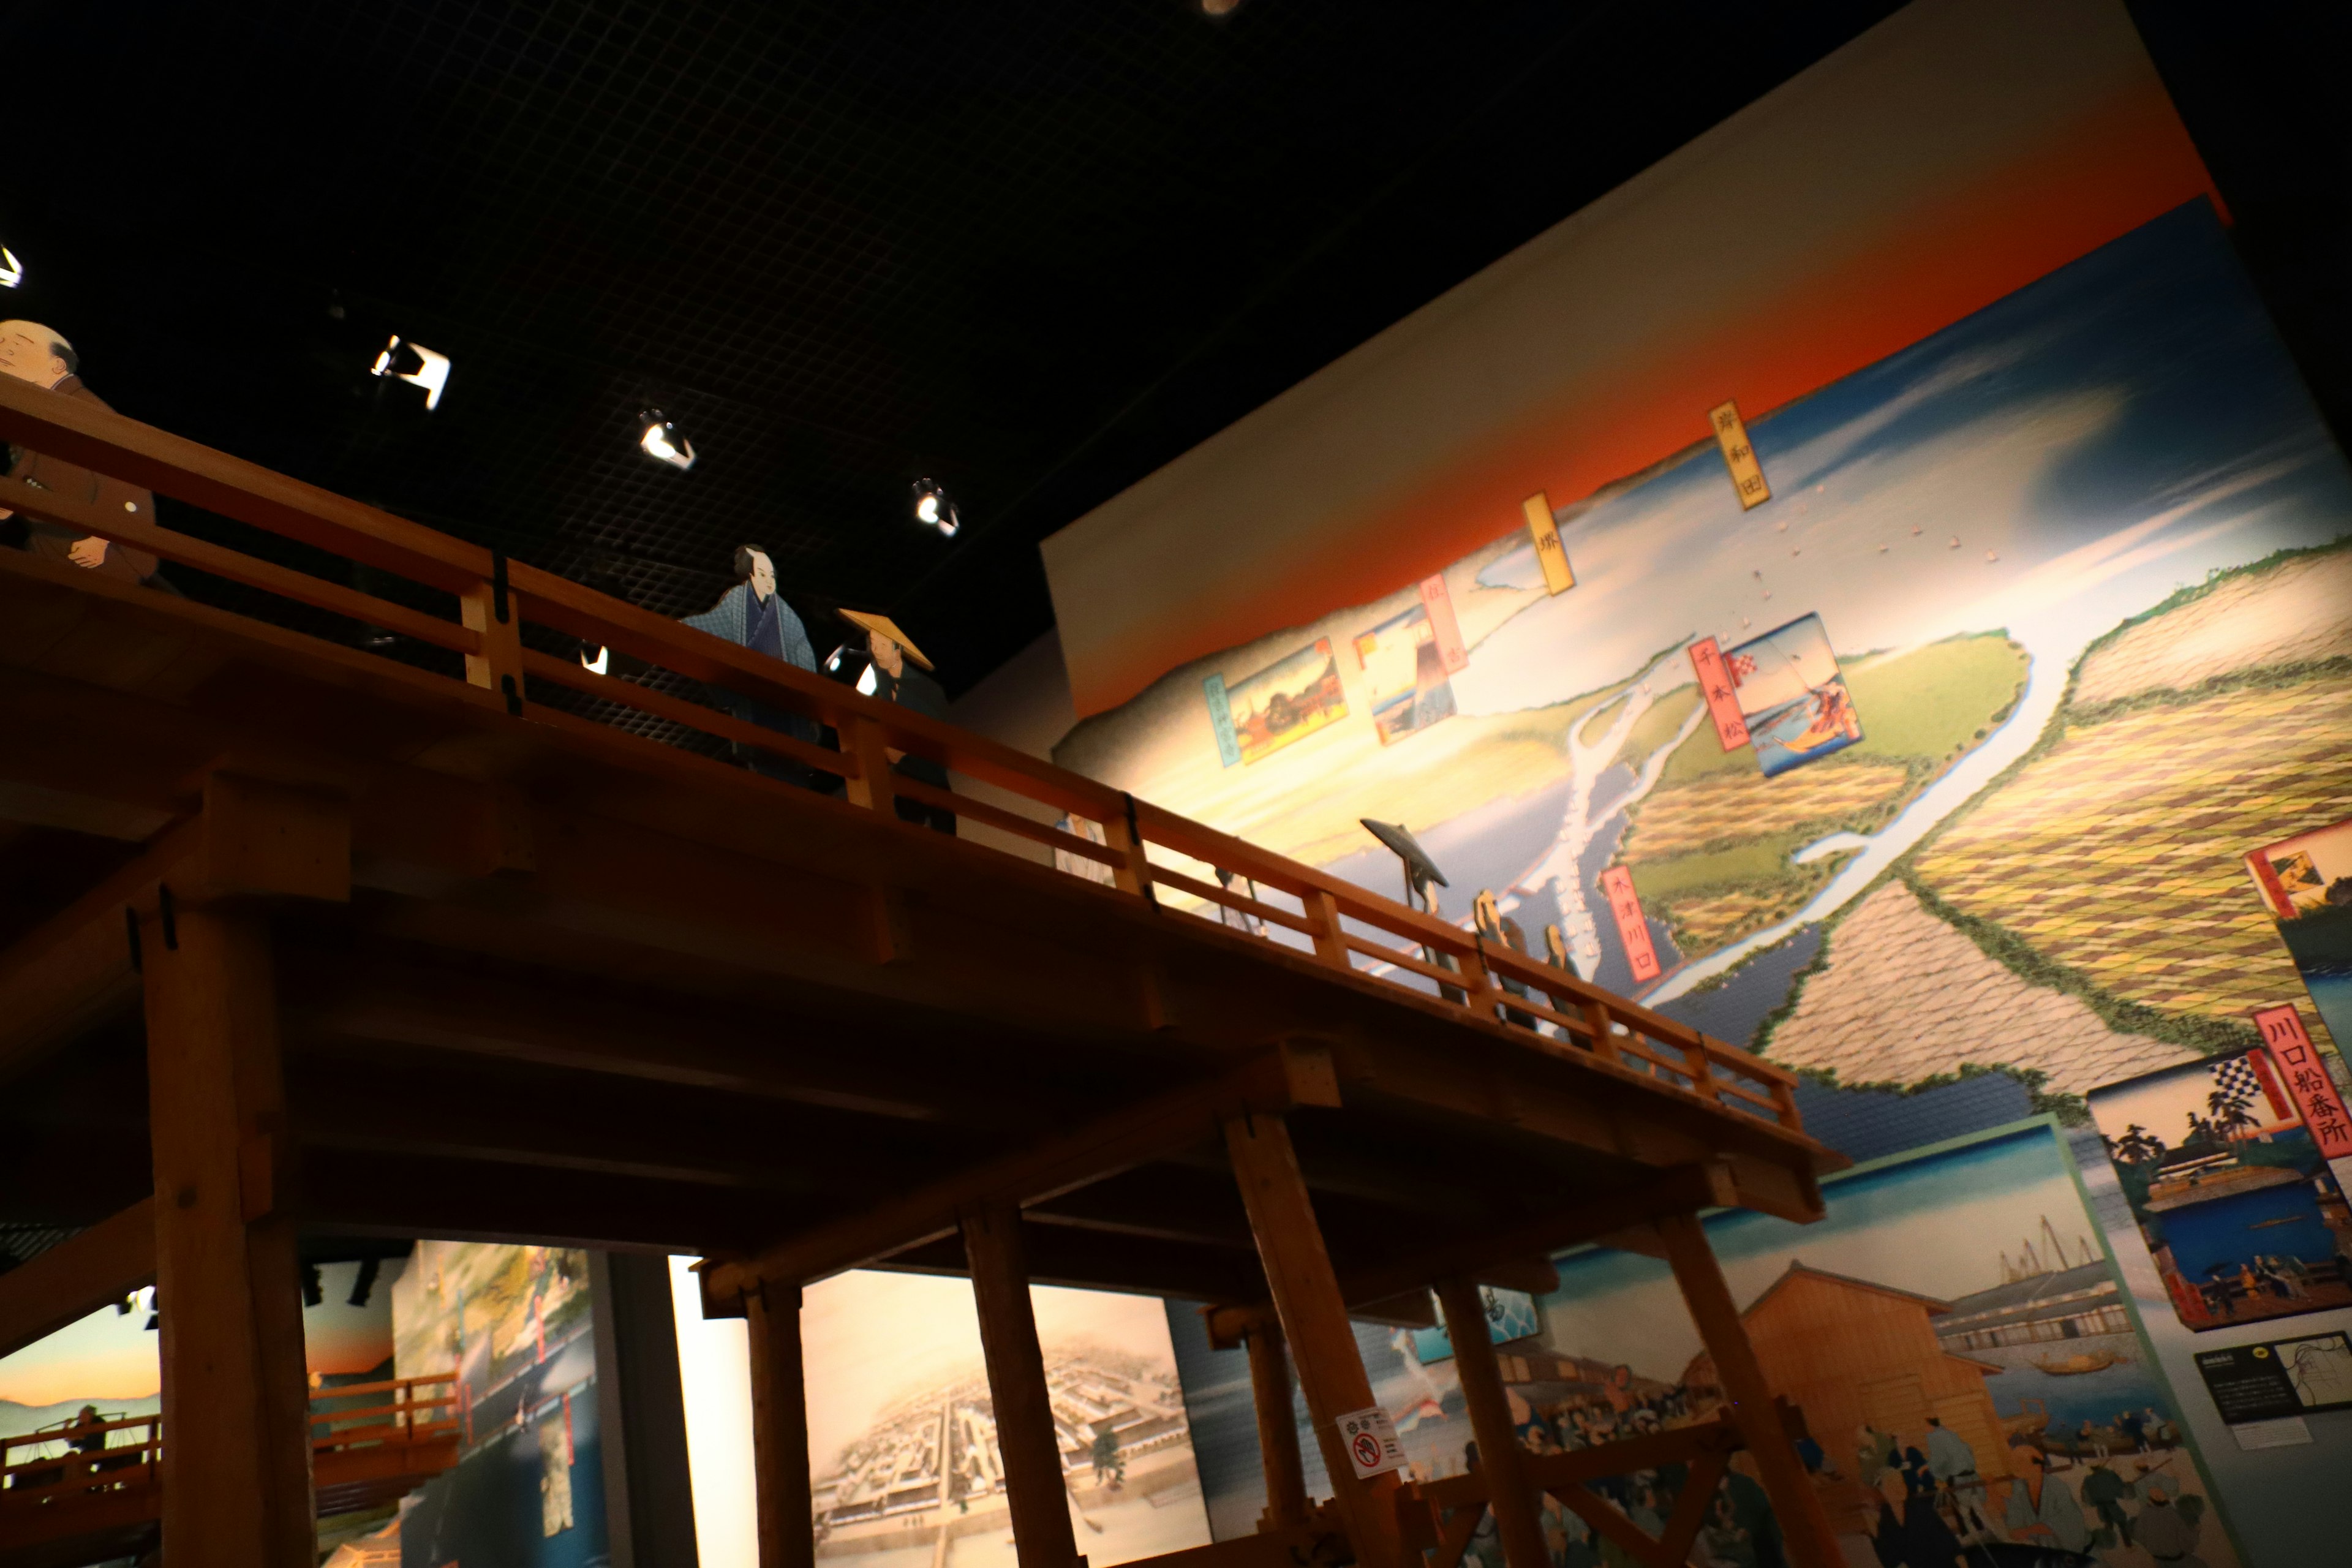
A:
[1509,1495]
[237,1474]
[77,1276]
[1315,1324]
[1277,1432]
[1131,1136]
[1025,1438]
[780,1456]
[1804,1523]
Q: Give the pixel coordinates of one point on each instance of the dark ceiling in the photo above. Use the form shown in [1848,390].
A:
[1034,249]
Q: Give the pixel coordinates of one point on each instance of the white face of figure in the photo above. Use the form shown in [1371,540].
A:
[887,654]
[25,353]
[763,574]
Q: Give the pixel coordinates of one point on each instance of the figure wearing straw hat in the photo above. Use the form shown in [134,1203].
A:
[891,657]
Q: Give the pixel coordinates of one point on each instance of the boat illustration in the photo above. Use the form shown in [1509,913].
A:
[2075,1365]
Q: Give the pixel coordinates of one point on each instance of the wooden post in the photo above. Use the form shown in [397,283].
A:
[870,786]
[1315,1324]
[236,1471]
[1509,1493]
[1042,1536]
[1331,937]
[779,1456]
[501,660]
[1804,1523]
[1277,1434]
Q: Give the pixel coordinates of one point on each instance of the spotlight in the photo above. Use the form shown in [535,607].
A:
[599,663]
[431,372]
[662,441]
[934,509]
[12,271]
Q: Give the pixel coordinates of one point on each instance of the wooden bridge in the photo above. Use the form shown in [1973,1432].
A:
[81,1491]
[450,942]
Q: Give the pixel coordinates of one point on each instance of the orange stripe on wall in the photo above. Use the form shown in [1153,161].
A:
[2116,168]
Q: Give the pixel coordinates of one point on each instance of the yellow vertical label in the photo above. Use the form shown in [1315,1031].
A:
[1549,551]
[1739,456]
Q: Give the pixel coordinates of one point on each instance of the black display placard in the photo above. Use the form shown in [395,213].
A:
[2280,1378]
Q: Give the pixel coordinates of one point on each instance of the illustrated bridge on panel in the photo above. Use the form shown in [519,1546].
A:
[426,944]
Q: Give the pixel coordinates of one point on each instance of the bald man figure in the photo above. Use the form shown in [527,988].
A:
[30,352]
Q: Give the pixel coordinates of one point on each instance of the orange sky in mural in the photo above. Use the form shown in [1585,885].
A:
[1923,269]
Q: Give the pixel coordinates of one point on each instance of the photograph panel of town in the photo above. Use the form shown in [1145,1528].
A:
[905,1470]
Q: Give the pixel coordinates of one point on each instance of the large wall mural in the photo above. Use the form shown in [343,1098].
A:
[2047,624]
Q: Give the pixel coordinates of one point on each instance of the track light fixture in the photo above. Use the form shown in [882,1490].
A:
[662,441]
[416,364]
[934,509]
[12,271]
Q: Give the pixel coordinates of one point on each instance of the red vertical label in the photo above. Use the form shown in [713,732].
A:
[1439,604]
[1715,684]
[1633,928]
[2300,1068]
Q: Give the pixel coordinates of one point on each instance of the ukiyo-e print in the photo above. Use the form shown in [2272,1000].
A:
[1953,1330]
[2305,882]
[2034,584]
[2243,1216]
[1287,701]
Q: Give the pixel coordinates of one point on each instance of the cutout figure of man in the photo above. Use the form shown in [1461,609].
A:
[33,352]
[752,615]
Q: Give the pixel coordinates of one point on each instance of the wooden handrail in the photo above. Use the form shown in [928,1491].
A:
[1710,1070]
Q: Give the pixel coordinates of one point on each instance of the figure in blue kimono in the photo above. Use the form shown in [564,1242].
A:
[2043,1510]
[752,615]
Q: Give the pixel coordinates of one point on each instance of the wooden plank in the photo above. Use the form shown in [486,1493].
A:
[679,711]
[1277,1431]
[1025,1436]
[77,1276]
[779,1452]
[237,1475]
[283,581]
[1804,1523]
[74,969]
[1314,1324]
[1126,1138]
[1500,1457]
[77,431]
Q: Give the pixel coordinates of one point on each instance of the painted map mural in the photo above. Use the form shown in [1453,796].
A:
[2049,620]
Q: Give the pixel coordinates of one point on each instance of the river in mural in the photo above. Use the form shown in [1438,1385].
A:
[2069,555]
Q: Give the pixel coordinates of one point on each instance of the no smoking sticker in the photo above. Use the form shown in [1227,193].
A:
[1371,1440]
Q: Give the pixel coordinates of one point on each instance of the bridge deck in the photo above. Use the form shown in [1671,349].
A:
[535,977]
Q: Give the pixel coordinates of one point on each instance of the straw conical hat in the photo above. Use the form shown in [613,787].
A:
[888,628]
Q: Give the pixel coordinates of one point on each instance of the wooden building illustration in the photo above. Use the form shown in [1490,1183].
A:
[1851,1352]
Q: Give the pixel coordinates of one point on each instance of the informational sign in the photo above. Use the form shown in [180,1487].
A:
[1739,456]
[1439,604]
[1221,716]
[2304,1078]
[1551,554]
[2280,1380]
[1632,926]
[1721,692]
[1371,1441]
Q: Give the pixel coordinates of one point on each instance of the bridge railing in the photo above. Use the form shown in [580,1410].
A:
[71,1460]
[488,601]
